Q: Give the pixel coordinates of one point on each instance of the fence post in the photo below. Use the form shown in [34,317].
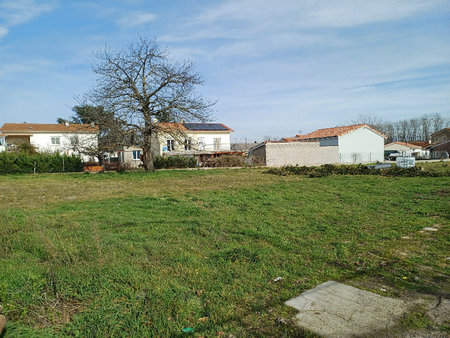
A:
[63,163]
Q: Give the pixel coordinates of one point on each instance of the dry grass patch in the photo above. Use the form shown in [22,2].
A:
[34,191]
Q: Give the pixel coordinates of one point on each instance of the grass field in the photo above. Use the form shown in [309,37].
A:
[142,254]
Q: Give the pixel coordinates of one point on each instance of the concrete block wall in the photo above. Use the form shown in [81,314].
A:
[300,153]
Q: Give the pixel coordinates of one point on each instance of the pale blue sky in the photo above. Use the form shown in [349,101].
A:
[276,67]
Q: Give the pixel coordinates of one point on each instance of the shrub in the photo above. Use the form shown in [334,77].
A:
[174,162]
[225,161]
[330,169]
[122,167]
[25,148]
[234,161]
[23,163]
[256,161]
[91,163]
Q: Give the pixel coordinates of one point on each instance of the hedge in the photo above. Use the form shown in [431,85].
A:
[174,162]
[330,169]
[22,163]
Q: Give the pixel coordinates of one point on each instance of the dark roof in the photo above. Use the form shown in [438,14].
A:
[193,126]
[205,126]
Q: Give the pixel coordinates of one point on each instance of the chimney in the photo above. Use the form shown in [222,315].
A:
[92,124]
[181,120]
[67,123]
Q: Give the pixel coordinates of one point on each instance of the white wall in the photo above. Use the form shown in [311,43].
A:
[408,151]
[43,143]
[126,156]
[2,143]
[361,146]
[208,142]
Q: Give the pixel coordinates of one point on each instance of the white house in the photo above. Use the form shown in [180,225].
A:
[345,145]
[194,138]
[201,140]
[408,149]
[62,138]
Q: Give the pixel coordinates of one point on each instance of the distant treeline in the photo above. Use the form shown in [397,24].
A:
[408,130]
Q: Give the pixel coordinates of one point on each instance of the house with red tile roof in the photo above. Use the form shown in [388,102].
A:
[62,138]
[358,143]
[202,140]
[335,132]
[408,149]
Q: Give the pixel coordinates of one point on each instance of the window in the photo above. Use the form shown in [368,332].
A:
[136,155]
[217,144]
[74,140]
[187,144]
[55,140]
[325,142]
[1,141]
[170,145]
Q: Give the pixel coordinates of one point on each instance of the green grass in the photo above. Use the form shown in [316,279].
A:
[150,254]
[438,166]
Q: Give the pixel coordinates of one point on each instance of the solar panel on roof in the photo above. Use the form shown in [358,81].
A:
[204,126]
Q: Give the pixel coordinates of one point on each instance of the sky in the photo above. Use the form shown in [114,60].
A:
[276,68]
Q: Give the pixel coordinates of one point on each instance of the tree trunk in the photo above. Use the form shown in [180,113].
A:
[147,158]
[100,158]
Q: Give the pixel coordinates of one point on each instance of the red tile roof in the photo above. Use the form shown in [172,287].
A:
[290,139]
[333,132]
[420,144]
[47,128]
[410,145]
[171,126]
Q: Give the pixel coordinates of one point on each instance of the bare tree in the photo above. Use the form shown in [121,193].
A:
[111,136]
[271,138]
[437,122]
[372,120]
[142,87]
[408,130]
[414,126]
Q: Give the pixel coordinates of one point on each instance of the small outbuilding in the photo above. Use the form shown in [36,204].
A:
[340,145]
[409,149]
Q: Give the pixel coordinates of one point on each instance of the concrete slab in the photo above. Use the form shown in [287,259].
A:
[333,309]
[441,313]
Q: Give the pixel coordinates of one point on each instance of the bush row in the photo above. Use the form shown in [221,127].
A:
[174,162]
[330,169]
[22,163]
[234,161]
[225,161]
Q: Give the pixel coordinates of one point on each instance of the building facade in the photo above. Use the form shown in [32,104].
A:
[339,145]
[408,149]
[440,136]
[69,139]
[200,140]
